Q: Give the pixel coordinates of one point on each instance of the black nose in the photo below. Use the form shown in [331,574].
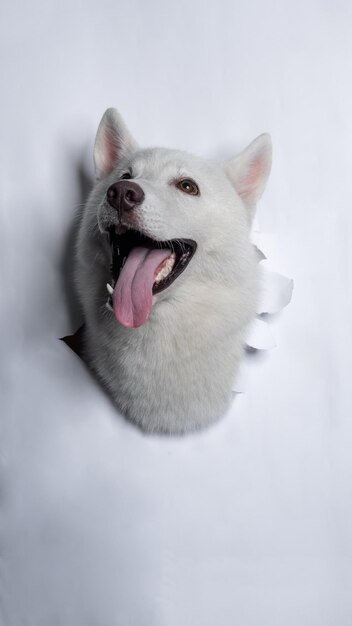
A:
[125,195]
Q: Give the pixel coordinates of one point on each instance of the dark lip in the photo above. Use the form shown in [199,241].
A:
[122,244]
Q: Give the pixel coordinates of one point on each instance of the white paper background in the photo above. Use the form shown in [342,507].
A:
[248,523]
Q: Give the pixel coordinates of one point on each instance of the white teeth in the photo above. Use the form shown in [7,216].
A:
[166,268]
[108,306]
[109,289]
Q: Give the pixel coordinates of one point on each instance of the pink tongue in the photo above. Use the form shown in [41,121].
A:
[132,297]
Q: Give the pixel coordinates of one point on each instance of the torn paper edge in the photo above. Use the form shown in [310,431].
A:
[276,294]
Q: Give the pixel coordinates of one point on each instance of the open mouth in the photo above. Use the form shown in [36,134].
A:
[142,267]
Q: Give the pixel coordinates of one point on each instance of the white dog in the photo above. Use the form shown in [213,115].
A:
[168,235]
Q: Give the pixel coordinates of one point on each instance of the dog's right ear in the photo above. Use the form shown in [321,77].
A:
[249,171]
[113,141]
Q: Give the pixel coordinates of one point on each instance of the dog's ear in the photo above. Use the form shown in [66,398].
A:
[249,171]
[113,141]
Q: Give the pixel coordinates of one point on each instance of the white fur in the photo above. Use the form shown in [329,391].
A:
[175,372]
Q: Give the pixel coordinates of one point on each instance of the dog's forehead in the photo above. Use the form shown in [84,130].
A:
[164,162]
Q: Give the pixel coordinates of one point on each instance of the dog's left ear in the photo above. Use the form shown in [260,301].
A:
[249,171]
[113,141]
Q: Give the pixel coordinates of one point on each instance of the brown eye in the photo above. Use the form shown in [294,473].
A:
[126,176]
[188,186]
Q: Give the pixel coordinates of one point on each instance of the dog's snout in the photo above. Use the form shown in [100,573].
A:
[125,195]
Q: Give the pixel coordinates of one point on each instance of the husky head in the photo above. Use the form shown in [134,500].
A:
[169,216]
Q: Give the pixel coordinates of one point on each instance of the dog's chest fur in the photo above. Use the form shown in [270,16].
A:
[176,372]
